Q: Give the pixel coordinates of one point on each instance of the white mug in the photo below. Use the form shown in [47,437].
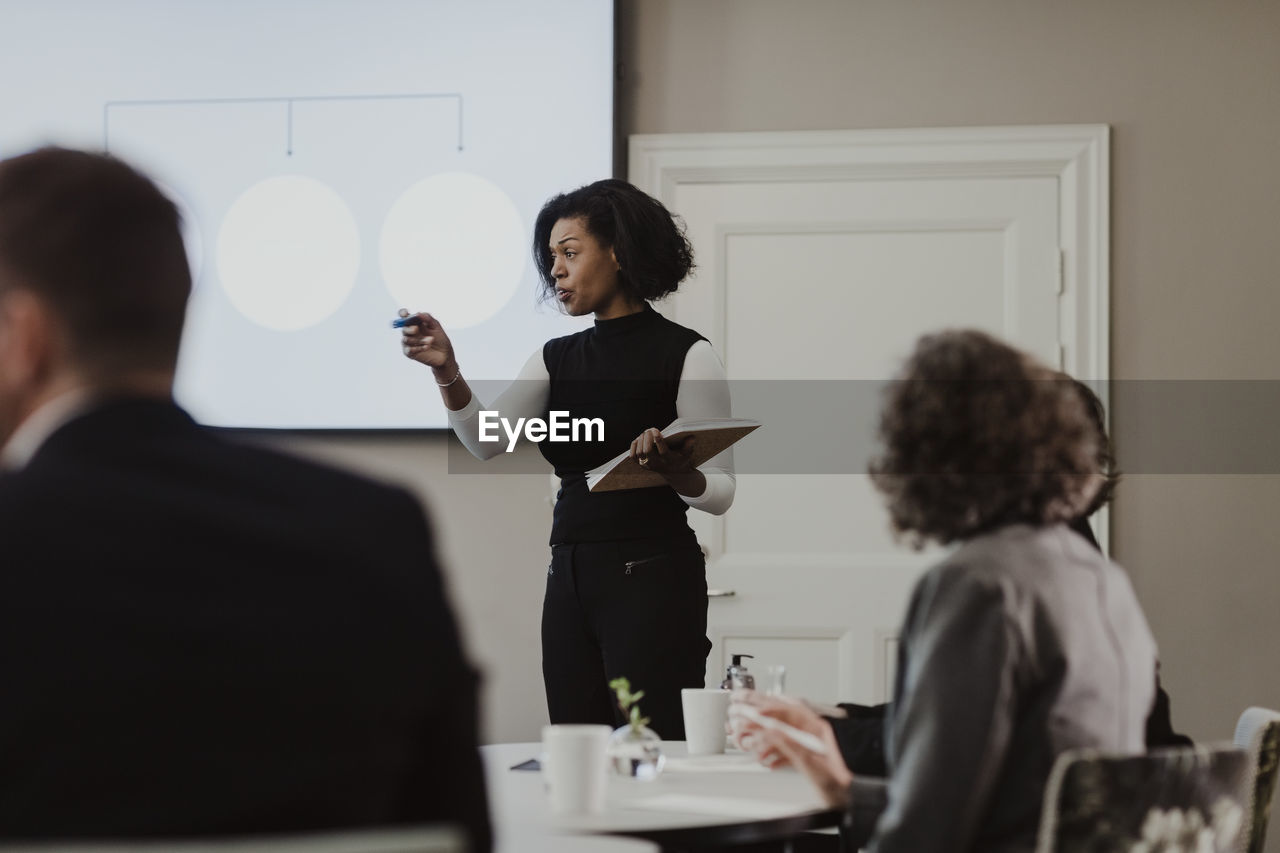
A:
[705,713]
[574,765]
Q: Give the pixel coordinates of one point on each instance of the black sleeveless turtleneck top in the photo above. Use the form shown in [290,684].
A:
[627,372]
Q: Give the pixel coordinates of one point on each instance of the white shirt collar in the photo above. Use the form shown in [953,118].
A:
[40,424]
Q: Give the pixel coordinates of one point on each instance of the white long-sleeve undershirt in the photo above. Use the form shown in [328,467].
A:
[703,393]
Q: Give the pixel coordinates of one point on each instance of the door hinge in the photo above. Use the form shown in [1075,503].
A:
[1060,272]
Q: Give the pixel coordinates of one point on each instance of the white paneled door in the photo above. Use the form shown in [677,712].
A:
[821,258]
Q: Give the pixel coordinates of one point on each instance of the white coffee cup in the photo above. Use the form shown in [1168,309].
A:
[705,712]
[574,765]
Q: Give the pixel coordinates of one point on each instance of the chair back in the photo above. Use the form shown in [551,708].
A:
[1258,733]
[426,839]
[1191,799]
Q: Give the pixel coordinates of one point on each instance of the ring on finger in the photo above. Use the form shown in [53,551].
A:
[643,460]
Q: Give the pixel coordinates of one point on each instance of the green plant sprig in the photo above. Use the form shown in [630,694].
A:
[629,703]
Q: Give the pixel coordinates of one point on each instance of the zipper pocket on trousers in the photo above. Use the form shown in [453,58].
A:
[631,564]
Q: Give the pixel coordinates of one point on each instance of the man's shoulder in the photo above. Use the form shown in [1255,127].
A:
[281,479]
[194,463]
[289,463]
[11,486]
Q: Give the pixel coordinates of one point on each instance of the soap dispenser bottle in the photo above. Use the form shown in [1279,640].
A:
[737,676]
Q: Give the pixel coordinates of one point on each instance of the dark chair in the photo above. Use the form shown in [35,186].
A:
[1192,799]
[1258,733]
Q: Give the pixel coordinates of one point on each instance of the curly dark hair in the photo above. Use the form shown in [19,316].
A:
[653,254]
[1106,452]
[978,435]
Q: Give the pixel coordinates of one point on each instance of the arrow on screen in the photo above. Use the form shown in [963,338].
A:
[287,101]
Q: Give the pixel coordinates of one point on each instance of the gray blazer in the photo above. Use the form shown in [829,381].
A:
[1023,643]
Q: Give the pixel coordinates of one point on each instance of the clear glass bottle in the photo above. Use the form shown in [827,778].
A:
[636,752]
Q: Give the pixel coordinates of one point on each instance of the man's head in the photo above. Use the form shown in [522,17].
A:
[93,278]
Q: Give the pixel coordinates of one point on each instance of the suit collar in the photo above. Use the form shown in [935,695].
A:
[110,423]
[32,433]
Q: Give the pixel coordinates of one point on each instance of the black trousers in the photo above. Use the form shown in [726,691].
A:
[635,609]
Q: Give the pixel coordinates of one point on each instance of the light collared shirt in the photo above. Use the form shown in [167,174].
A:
[32,433]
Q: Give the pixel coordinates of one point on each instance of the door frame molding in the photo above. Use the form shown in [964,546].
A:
[1077,156]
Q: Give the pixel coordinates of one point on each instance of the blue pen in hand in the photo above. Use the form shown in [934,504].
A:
[401,322]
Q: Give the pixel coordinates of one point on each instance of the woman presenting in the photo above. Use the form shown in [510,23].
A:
[626,588]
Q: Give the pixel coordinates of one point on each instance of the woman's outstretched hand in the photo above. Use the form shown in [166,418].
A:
[426,342]
[655,453]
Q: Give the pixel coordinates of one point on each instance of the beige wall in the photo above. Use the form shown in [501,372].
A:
[1192,93]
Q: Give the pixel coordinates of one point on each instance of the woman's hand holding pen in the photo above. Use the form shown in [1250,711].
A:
[426,342]
[813,750]
[744,727]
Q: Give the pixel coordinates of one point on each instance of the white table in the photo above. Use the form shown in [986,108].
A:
[706,800]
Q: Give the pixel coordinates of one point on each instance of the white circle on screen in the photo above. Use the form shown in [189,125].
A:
[288,252]
[453,244]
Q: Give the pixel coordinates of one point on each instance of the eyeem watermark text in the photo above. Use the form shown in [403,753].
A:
[560,427]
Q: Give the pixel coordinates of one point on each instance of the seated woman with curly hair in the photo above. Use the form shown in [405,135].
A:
[1024,642]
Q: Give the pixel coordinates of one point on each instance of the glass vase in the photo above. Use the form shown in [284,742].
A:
[636,753]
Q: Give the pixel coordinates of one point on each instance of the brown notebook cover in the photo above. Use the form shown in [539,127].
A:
[710,436]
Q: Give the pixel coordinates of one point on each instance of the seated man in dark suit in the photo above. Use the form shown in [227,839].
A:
[198,637]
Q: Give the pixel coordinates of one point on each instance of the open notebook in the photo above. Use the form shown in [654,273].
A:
[710,436]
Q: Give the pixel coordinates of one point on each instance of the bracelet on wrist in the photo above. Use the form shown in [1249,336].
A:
[455,378]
